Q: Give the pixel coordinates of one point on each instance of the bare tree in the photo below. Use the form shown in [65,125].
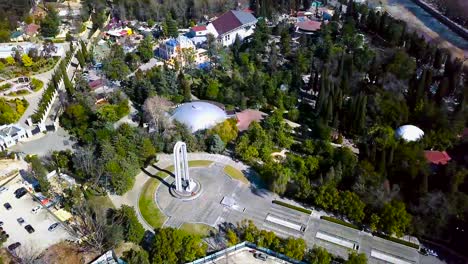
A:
[156,109]
[28,254]
[97,232]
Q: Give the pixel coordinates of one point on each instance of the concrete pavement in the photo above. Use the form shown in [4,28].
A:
[256,204]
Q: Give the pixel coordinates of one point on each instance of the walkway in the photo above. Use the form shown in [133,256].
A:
[165,160]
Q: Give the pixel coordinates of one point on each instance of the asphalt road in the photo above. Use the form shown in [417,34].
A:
[256,204]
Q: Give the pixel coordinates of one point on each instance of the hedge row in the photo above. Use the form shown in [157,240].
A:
[397,240]
[297,208]
[340,222]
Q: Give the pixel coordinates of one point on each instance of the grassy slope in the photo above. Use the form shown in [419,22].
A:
[235,174]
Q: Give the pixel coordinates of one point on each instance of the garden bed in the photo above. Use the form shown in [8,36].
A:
[340,222]
[290,206]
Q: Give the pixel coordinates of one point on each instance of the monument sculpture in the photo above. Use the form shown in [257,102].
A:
[183,183]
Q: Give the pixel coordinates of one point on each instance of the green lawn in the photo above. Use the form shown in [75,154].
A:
[235,174]
[148,208]
[101,203]
[197,229]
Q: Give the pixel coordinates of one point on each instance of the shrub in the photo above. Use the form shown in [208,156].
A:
[6,86]
[36,84]
[340,222]
[397,240]
[290,206]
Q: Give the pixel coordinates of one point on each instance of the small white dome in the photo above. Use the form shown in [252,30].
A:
[409,133]
[199,115]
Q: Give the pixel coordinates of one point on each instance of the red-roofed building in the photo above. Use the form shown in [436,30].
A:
[198,31]
[96,84]
[308,26]
[31,29]
[231,24]
[437,157]
[246,117]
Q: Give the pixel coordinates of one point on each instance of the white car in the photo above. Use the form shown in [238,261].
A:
[36,209]
[3,189]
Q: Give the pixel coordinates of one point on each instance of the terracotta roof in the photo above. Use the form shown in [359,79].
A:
[32,29]
[309,25]
[437,157]
[246,117]
[232,20]
[96,84]
[199,28]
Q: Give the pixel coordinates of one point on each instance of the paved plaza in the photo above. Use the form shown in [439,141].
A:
[227,200]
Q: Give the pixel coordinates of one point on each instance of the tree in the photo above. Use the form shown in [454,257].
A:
[155,110]
[145,49]
[295,248]
[136,257]
[319,255]
[352,206]
[171,25]
[215,144]
[232,238]
[50,24]
[394,220]
[115,69]
[212,89]
[171,246]
[355,258]
[226,130]
[27,61]
[10,60]
[133,230]
[402,65]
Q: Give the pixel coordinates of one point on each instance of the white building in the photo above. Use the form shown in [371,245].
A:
[7,50]
[231,24]
[10,135]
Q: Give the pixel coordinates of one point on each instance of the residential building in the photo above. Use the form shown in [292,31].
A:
[180,49]
[31,30]
[231,24]
[437,157]
[10,135]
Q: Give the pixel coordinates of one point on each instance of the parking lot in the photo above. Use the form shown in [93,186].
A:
[243,256]
[42,237]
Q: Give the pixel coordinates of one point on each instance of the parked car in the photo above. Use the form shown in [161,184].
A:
[20,220]
[53,226]
[14,246]
[261,256]
[7,206]
[1,223]
[36,209]
[20,192]
[29,228]
[3,189]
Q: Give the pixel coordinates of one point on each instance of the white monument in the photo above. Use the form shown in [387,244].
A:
[183,183]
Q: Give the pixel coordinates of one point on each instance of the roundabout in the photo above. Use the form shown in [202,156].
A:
[203,207]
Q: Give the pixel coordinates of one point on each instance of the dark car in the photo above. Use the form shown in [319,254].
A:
[29,228]
[53,226]
[1,223]
[20,192]
[7,206]
[14,246]
[20,220]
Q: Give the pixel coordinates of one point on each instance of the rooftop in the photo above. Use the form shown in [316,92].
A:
[437,157]
[309,25]
[232,20]
[246,117]
[199,28]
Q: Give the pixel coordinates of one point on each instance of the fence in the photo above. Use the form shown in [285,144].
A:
[211,258]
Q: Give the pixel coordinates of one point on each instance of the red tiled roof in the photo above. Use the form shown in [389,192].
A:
[246,117]
[199,28]
[437,157]
[31,29]
[309,25]
[96,84]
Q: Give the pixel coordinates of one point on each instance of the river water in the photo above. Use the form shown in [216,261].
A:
[431,22]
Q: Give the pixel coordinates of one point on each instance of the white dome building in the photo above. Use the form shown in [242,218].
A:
[199,115]
[409,133]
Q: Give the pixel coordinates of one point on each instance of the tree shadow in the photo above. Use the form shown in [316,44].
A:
[163,170]
[156,177]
